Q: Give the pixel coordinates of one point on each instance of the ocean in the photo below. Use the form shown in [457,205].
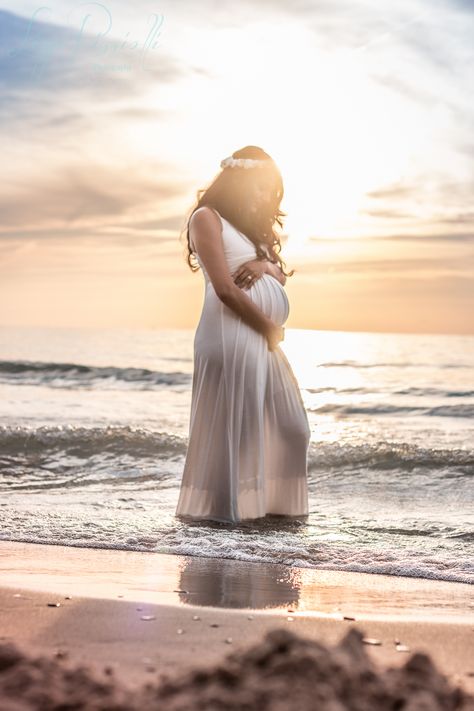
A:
[93,435]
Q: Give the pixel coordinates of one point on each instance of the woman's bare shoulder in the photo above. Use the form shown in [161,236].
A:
[205,224]
[205,216]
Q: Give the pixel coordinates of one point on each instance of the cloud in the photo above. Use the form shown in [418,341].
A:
[412,91]
[467,237]
[393,191]
[462,218]
[448,201]
[424,266]
[67,173]
[389,214]
[77,194]
[461,4]
[39,61]
[62,102]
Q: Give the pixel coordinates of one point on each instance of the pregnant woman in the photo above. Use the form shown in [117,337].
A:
[249,431]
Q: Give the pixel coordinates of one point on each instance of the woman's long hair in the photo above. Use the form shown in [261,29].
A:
[232,194]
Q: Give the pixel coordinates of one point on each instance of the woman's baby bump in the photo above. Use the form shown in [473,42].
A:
[270,296]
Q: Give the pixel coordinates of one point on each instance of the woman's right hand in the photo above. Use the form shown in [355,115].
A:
[274,335]
[275,271]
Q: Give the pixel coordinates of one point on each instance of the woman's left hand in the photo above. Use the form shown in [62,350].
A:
[248,273]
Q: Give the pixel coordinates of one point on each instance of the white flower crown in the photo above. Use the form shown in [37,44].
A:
[231,162]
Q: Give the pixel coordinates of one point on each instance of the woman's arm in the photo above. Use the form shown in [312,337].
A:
[207,239]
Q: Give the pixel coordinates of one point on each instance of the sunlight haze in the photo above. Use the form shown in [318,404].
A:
[367,111]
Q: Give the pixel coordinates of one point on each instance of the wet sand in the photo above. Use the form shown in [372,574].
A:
[145,615]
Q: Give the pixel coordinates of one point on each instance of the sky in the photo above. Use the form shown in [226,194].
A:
[112,117]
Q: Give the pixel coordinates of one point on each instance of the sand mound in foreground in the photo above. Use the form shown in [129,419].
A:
[284,672]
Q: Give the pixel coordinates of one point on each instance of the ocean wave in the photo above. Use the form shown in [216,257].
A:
[395,364]
[87,441]
[388,455]
[76,375]
[439,392]
[200,539]
[412,391]
[341,558]
[135,442]
[459,410]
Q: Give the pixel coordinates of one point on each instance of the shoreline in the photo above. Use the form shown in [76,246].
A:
[231,584]
[110,591]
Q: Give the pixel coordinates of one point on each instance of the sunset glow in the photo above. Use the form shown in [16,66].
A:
[367,116]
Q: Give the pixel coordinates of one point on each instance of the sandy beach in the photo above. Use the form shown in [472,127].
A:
[142,617]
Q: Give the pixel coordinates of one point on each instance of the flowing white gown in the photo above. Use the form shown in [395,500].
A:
[249,432]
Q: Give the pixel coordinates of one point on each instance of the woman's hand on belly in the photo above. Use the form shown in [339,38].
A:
[275,271]
[248,273]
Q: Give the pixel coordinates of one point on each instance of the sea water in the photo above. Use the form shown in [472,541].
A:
[93,434]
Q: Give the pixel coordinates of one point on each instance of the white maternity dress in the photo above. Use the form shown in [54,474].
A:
[248,432]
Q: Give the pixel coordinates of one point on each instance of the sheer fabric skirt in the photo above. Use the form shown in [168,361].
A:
[249,432]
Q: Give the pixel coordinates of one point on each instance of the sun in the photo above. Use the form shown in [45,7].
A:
[335,133]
